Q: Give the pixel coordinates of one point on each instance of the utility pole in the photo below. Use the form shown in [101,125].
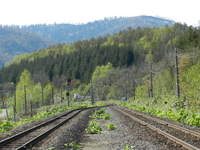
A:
[67,93]
[43,96]
[13,89]
[92,93]
[31,103]
[61,97]
[14,108]
[177,75]
[151,81]
[25,100]
[52,94]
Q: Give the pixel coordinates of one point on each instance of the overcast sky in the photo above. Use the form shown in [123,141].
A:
[23,12]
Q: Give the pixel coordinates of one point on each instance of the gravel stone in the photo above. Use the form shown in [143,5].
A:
[127,133]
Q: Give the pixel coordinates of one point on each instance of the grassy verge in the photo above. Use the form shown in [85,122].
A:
[43,113]
[165,109]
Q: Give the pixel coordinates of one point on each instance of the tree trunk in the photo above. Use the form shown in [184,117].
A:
[177,75]
[151,81]
[43,96]
[25,100]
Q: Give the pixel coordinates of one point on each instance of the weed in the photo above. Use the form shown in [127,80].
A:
[6,125]
[72,146]
[110,126]
[106,116]
[128,147]
[100,111]
[100,114]
[93,128]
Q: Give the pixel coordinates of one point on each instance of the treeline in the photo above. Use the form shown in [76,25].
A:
[130,47]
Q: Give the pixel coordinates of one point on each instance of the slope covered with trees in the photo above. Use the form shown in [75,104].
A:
[15,40]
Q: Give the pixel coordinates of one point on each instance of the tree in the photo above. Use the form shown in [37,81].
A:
[99,80]
[23,92]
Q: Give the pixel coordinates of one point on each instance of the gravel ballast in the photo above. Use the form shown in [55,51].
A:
[127,134]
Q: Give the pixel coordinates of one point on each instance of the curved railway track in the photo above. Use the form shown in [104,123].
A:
[189,139]
[28,138]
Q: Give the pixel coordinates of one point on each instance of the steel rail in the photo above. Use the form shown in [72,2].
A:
[23,133]
[159,131]
[17,136]
[30,143]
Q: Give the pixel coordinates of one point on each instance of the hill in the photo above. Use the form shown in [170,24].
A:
[68,33]
[16,40]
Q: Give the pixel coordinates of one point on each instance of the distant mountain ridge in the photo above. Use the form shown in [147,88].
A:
[71,33]
[15,40]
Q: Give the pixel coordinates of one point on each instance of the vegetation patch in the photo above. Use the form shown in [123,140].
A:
[110,126]
[93,128]
[100,114]
[171,112]
[6,125]
[128,147]
[72,146]
[45,112]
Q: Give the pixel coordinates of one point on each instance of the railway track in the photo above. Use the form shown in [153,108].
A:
[189,139]
[28,138]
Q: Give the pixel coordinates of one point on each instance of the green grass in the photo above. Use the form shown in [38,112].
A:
[93,128]
[168,110]
[110,126]
[44,112]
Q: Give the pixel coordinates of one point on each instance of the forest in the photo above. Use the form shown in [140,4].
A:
[16,40]
[156,64]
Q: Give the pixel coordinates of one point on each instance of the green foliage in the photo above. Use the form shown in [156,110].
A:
[101,72]
[93,128]
[100,111]
[167,110]
[6,125]
[128,147]
[43,113]
[141,91]
[100,114]
[72,146]
[104,116]
[25,84]
[110,126]
[190,82]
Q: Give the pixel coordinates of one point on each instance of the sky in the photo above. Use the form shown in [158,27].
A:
[25,12]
